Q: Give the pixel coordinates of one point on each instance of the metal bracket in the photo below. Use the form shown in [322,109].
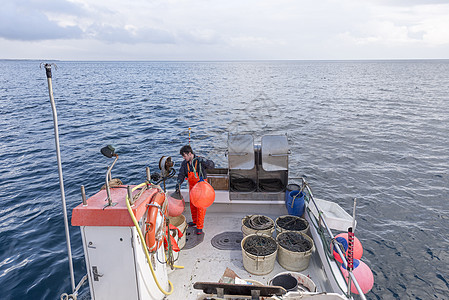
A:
[220,292]
[96,274]
[255,294]
[111,205]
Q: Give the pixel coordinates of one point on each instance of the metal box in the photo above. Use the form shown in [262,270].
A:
[258,172]
[218,178]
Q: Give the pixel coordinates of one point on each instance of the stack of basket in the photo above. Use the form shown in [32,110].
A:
[292,246]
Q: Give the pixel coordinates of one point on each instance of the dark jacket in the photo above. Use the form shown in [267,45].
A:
[203,164]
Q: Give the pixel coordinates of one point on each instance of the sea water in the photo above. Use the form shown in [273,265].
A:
[374,130]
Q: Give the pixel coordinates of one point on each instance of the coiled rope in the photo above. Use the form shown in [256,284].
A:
[271,185]
[292,223]
[260,245]
[294,241]
[258,222]
[242,184]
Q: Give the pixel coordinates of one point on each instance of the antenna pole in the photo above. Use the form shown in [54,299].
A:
[189,134]
[61,180]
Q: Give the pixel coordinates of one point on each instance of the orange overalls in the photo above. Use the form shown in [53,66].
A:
[198,214]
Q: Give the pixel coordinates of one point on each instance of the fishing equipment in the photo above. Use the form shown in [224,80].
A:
[167,171]
[256,171]
[202,195]
[343,239]
[176,204]
[319,223]
[362,273]
[259,253]
[291,223]
[295,250]
[259,224]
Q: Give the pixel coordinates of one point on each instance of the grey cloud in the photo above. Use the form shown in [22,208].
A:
[56,6]
[24,20]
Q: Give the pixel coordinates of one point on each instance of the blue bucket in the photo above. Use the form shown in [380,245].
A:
[295,203]
[291,187]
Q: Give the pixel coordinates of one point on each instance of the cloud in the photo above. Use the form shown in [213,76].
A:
[233,29]
[423,25]
[31,20]
[25,20]
[129,34]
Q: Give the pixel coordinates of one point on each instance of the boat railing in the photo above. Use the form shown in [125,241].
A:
[305,187]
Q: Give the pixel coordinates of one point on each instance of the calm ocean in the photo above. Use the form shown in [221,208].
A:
[375,130]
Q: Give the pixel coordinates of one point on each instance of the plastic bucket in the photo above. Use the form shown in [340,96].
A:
[297,224]
[258,264]
[294,260]
[304,283]
[286,280]
[247,230]
[295,203]
[291,187]
[180,222]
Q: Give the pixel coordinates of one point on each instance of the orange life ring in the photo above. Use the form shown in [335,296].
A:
[155,215]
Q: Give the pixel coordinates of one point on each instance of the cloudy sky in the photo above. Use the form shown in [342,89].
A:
[223,30]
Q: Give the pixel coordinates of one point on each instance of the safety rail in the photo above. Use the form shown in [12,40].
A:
[306,186]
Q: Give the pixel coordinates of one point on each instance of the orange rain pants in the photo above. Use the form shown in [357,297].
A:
[198,214]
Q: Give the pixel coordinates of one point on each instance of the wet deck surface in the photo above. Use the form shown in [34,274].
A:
[205,263]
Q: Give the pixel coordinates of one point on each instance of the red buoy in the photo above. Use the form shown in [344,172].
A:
[175,206]
[202,195]
[343,239]
[363,274]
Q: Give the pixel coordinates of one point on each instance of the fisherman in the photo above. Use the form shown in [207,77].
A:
[193,167]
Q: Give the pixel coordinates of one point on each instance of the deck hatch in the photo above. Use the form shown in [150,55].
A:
[228,240]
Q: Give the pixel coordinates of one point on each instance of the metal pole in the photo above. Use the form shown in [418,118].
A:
[61,180]
[130,195]
[83,195]
[189,134]
[148,174]
[108,176]
[351,231]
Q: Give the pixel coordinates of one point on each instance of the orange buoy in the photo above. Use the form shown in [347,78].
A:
[202,195]
[155,222]
[363,274]
[343,239]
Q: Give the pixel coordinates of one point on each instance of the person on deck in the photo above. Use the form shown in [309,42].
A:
[192,168]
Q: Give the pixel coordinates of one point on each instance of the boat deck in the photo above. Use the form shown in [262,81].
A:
[205,263]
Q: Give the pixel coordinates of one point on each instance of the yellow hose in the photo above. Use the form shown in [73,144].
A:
[144,244]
